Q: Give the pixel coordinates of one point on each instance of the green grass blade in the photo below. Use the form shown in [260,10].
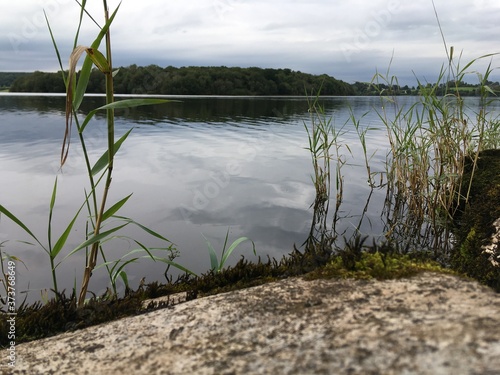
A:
[95,239]
[214,262]
[176,265]
[83,80]
[487,88]
[124,277]
[121,104]
[53,198]
[105,28]
[13,257]
[64,237]
[146,229]
[99,60]
[144,248]
[233,246]
[113,209]
[51,210]
[107,264]
[104,159]
[87,120]
[131,103]
[119,271]
[225,244]
[55,47]
[82,11]
[12,217]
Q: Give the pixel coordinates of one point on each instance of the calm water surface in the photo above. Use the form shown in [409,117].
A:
[198,166]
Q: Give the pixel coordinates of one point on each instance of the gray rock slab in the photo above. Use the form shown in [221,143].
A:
[428,324]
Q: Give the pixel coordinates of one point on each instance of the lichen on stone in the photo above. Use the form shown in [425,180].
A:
[493,249]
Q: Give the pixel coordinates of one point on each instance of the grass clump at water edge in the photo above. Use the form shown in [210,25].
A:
[62,314]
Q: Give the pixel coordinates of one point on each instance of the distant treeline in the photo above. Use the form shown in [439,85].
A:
[8,78]
[153,79]
[460,87]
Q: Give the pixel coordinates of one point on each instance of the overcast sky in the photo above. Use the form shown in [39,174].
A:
[348,39]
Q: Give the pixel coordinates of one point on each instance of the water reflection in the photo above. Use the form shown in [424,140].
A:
[196,166]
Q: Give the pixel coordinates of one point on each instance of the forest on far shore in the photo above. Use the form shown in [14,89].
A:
[155,80]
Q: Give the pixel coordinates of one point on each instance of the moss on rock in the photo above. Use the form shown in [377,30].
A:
[474,223]
[376,266]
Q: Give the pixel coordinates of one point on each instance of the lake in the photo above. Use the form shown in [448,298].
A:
[196,168]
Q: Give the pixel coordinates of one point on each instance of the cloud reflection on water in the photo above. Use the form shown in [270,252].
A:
[196,167]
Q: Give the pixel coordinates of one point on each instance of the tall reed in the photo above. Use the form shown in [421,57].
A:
[101,215]
[324,146]
[430,142]
[103,221]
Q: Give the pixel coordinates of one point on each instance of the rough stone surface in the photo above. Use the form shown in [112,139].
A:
[428,324]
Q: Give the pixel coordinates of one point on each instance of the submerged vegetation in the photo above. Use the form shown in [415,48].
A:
[434,210]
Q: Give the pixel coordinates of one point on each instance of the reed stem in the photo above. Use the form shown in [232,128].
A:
[92,258]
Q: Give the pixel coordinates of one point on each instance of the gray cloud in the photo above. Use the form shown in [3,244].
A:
[348,40]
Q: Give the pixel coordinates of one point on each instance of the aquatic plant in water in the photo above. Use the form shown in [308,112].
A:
[429,145]
[215,264]
[324,146]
